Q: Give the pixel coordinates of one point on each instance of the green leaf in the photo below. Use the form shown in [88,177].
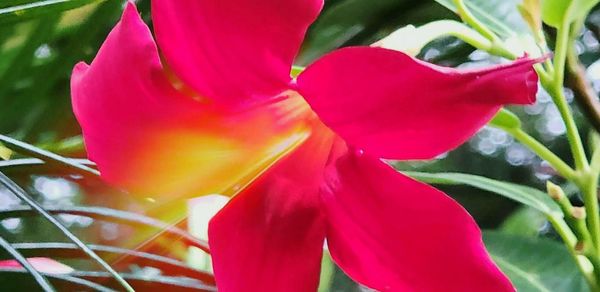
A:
[501,16]
[327,272]
[525,221]
[505,119]
[522,194]
[342,22]
[535,264]
[554,12]
[37,8]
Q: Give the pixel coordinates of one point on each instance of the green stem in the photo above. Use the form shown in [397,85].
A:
[588,183]
[595,163]
[497,47]
[440,28]
[574,217]
[556,91]
[579,156]
[470,19]
[590,198]
[540,150]
[570,240]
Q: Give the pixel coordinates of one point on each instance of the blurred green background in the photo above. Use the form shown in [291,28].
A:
[39,48]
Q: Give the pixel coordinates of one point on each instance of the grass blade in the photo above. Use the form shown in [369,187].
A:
[69,250]
[22,195]
[47,156]
[63,282]
[112,215]
[154,283]
[38,8]
[39,278]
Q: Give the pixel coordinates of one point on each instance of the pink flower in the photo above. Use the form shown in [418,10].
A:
[221,114]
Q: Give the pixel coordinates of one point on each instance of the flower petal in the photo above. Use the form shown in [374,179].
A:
[397,107]
[44,265]
[149,138]
[233,51]
[392,233]
[270,236]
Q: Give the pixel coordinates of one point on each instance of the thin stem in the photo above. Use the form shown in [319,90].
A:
[556,91]
[497,47]
[590,198]
[570,240]
[470,19]
[595,163]
[574,216]
[540,150]
[589,180]
[39,278]
[23,196]
[437,29]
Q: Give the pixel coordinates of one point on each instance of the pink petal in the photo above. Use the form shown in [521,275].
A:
[149,138]
[394,106]
[392,233]
[233,51]
[44,265]
[270,236]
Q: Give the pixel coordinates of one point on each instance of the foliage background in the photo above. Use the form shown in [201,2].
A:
[39,48]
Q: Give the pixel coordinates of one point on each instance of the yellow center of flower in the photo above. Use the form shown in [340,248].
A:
[224,152]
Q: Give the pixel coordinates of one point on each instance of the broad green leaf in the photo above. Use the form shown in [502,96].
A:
[525,221]
[342,22]
[505,119]
[501,16]
[535,264]
[554,12]
[522,194]
[327,272]
[34,9]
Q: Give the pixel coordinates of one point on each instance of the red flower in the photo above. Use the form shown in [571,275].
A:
[302,156]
